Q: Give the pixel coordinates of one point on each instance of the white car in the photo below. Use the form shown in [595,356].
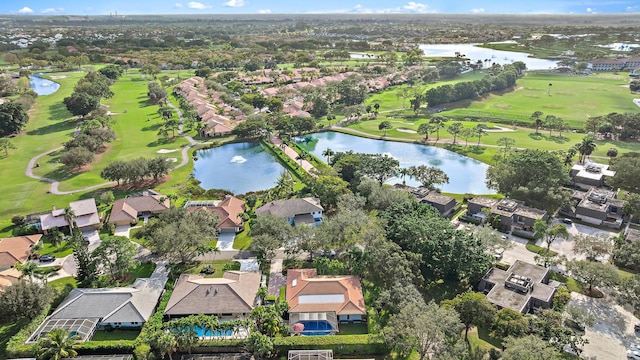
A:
[634,347]
[633,355]
[497,253]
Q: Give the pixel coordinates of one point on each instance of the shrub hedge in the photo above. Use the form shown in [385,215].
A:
[364,344]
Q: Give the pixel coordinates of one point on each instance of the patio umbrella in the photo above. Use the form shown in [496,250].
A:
[297,327]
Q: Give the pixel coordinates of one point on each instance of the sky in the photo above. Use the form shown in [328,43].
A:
[132,7]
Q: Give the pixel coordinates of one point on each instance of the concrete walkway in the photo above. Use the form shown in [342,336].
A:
[292,154]
[276,279]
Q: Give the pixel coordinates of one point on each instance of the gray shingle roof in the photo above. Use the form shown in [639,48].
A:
[290,208]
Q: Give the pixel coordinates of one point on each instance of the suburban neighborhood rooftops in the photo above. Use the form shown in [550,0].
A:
[515,287]
[437,198]
[228,210]
[309,292]
[290,208]
[234,293]
[483,201]
[127,209]
[16,249]
[85,214]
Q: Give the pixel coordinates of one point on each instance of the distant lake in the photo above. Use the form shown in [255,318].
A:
[475,53]
[239,168]
[466,175]
[42,86]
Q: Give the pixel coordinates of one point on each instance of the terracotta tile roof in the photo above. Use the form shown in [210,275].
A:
[302,282]
[129,208]
[16,249]
[228,211]
[234,293]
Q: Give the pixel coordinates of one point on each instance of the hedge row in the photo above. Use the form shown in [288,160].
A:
[365,344]
[469,219]
[524,235]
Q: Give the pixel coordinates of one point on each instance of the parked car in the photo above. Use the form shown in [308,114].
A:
[574,325]
[636,327]
[633,355]
[634,347]
[47,258]
[498,253]
[567,221]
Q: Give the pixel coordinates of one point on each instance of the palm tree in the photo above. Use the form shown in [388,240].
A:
[186,337]
[165,343]
[403,173]
[263,292]
[56,345]
[480,132]
[585,147]
[328,153]
[56,237]
[302,156]
[550,121]
[536,118]
[438,123]
[425,129]
[70,217]
[27,269]
[571,152]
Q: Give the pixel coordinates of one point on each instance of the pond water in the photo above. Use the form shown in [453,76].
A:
[475,53]
[466,175]
[42,86]
[240,168]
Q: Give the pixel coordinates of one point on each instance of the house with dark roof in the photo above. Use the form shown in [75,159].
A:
[85,214]
[84,311]
[297,211]
[513,214]
[590,174]
[320,302]
[522,287]
[16,250]
[127,211]
[443,203]
[228,212]
[232,296]
[598,206]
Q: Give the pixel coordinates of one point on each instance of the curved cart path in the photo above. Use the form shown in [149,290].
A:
[55,183]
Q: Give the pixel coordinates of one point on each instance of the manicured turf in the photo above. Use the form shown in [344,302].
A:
[62,250]
[572,98]
[63,282]
[6,333]
[218,265]
[102,335]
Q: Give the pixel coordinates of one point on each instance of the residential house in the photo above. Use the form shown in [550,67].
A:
[630,235]
[514,215]
[84,311]
[232,296]
[522,287]
[443,203]
[590,174]
[85,215]
[16,250]
[228,212]
[9,277]
[320,303]
[127,211]
[306,210]
[599,207]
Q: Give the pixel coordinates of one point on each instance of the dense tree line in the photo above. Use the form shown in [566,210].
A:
[13,118]
[496,81]
[88,92]
[620,126]
[91,139]
[136,170]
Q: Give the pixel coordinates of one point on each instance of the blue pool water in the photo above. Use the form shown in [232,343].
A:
[202,333]
[316,327]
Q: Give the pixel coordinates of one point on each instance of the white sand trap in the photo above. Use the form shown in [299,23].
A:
[172,159]
[166,151]
[637,102]
[499,129]
[54,77]
[405,130]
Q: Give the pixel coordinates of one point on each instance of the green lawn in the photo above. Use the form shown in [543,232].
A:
[102,335]
[6,333]
[539,249]
[573,98]
[63,282]
[62,250]
[218,265]
[352,329]
[479,338]
[242,240]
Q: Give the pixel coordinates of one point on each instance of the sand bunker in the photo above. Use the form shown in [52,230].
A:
[166,151]
[172,159]
[405,130]
[54,77]
[499,129]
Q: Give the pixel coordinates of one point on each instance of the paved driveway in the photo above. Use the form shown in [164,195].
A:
[92,236]
[249,265]
[612,332]
[225,241]
[122,230]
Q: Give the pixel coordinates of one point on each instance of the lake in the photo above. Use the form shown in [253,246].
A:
[466,175]
[475,53]
[240,168]
[42,86]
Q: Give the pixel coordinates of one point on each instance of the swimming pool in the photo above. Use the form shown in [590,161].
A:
[202,333]
[316,327]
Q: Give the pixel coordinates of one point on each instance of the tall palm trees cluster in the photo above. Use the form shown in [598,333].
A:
[586,147]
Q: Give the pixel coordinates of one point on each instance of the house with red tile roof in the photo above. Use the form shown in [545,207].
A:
[228,212]
[16,250]
[321,302]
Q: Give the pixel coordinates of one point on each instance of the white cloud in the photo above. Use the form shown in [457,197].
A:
[632,8]
[234,3]
[25,10]
[198,5]
[52,10]
[478,11]
[264,11]
[415,6]
[591,11]
[178,5]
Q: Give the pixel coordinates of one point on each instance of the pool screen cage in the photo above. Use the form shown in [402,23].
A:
[317,317]
[310,355]
[83,329]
